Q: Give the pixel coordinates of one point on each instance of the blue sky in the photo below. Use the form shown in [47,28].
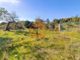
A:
[31,9]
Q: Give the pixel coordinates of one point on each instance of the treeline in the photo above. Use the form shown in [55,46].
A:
[39,23]
[12,22]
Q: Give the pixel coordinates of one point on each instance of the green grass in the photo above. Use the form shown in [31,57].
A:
[51,45]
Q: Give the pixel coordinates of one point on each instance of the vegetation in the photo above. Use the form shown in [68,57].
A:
[39,40]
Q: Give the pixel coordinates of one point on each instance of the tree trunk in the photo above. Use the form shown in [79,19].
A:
[7,27]
[59,27]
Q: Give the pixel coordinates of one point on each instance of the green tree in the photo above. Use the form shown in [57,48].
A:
[48,23]
[28,24]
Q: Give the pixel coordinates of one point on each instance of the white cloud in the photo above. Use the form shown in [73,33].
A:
[9,1]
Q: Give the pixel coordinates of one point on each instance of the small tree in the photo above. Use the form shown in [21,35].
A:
[40,23]
[48,23]
[28,24]
[7,17]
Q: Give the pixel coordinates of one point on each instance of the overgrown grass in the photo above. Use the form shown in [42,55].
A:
[49,45]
